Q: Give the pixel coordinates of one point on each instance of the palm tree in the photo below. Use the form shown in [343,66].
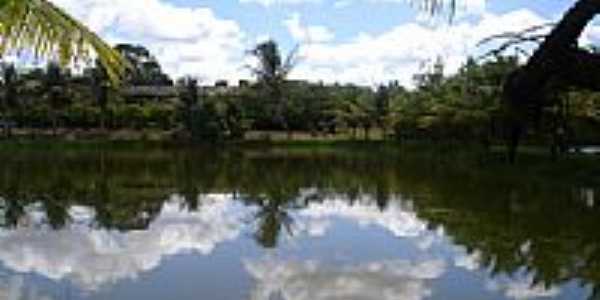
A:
[271,73]
[46,30]
[273,216]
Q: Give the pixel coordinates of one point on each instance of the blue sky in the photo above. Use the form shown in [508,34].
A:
[358,41]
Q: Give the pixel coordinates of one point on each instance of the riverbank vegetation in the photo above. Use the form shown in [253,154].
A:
[127,96]
[464,107]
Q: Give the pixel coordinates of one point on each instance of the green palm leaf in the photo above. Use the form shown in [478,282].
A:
[46,30]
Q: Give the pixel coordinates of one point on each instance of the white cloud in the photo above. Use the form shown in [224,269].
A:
[399,53]
[15,288]
[185,40]
[462,8]
[590,36]
[381,280]
[196,41]
[471,6]
[269,3]
[307,34]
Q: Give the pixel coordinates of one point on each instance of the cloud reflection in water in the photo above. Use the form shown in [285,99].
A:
[380,280]
[93,257]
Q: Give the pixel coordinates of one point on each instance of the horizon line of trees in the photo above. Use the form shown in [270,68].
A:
[465,106]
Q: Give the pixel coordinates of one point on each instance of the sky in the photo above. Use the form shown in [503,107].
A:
[365,42]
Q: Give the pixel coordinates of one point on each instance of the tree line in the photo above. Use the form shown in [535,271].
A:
[557,65]
[465,106]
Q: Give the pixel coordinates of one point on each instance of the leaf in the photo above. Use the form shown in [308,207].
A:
[47,31]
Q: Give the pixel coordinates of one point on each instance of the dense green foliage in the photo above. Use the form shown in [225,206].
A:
[464,107]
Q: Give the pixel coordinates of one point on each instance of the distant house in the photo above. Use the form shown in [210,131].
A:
[219,88]
[221,83]
[222,88]
[243,83]
[150,91]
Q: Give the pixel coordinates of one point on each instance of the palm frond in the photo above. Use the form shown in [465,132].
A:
[291,61]
[47,31]
[434,7]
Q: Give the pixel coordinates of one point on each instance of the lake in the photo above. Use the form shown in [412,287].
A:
[288,224]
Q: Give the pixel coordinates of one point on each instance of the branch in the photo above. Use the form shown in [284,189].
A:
[513,42]
[582,69]
[516,35]
[291,60]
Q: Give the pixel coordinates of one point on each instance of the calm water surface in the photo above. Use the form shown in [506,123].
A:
[286,225]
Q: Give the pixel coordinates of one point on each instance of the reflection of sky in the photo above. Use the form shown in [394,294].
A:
[520,286]
[92,258]
[311,280]
[398,218]
[13,288]
[379,280]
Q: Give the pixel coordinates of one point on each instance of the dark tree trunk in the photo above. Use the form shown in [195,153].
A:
[6,105]
[102,102]
[103,119]
[54,104]
[557,58]
[367,132]
[54,122]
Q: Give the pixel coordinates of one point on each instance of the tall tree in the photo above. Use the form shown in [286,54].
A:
[145,69]
[271,73]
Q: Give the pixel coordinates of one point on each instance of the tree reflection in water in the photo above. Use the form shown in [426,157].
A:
[509,223]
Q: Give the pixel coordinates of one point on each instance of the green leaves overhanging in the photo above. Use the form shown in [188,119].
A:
[47,31]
